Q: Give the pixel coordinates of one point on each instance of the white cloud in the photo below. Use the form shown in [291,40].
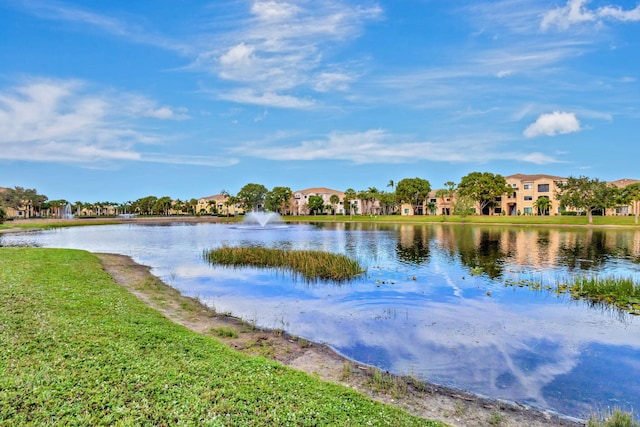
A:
[284,46]
[576,12]
[379,146]
[328,81]
[268,99]
[239,55]
[553,124]
[63,121]
[273,10]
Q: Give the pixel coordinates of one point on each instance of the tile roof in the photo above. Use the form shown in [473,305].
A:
[524,177]
[320,190]
[621,183]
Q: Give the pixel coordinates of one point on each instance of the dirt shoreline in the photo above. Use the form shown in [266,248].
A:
[454,407]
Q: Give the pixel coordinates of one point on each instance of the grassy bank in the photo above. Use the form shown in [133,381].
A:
[76,349]
[312,265]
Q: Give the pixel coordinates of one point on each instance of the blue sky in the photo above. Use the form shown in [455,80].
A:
[116,100]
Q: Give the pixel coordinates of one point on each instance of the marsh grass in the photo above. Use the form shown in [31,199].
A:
[621,292]
[312,265]
[615,418]
[77,349]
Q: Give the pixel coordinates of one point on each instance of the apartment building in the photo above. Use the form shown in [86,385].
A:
[527,189]
[217,204]
[300,199]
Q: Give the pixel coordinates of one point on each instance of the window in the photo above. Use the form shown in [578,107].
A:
[432,200]
[528,187]
[543,188]
[498,199]
[528,211]
[528,198]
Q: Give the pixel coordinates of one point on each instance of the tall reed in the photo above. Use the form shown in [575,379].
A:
[309,263]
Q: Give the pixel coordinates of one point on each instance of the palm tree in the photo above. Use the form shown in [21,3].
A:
[543,204]
[334,200]
[349,195]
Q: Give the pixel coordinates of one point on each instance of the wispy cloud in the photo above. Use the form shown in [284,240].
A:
[553,124]
[283,46]
[379,146]
[59,11]
[576,12]
[46,120]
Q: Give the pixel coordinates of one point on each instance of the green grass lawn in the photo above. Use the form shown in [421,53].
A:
[77,349]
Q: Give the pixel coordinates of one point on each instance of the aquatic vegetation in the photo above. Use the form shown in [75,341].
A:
[310,264]
[622,292]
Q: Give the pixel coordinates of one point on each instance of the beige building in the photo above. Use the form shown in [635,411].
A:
[217,205]
[631,209]
[527,189]
[300,199]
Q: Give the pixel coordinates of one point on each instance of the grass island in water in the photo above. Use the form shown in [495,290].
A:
[310,264]
[620,292]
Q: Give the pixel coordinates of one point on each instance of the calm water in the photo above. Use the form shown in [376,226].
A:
[433,303]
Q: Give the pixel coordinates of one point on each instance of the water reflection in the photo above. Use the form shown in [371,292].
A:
[433,303]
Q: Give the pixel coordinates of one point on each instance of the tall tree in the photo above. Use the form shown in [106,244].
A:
[349,195]
[414,191]
[484,188]
[387,202]
[586,194]
[251,196]
[162,205]
[315,203]
[278,199]
[193,204]
[334,200]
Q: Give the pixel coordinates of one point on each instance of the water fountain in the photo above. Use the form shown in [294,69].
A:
[66,212]
[260,220]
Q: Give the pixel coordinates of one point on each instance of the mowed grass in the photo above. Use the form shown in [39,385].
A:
[312,265]
[77,349]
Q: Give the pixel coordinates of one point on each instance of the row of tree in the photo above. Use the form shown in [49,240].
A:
[477,189]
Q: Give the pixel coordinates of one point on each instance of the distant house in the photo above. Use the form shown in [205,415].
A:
[217,204]
[300,199]
[23,211]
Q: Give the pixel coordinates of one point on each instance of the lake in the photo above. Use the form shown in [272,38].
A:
[433,304]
